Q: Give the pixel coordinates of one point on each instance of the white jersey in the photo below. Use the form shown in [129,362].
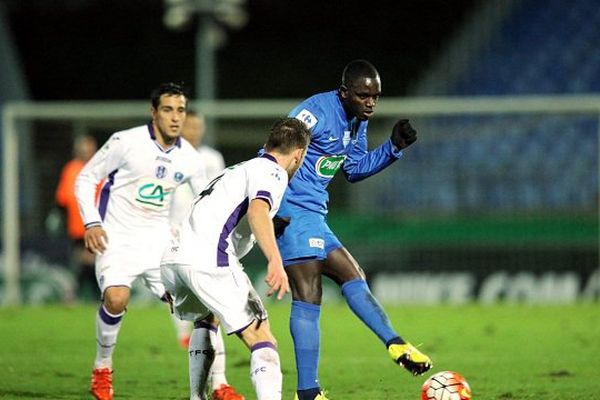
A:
[215,232]
[212,165]
[140,179]
[212,161]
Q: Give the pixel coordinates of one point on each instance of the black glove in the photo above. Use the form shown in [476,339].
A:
[403,135]
[280,224]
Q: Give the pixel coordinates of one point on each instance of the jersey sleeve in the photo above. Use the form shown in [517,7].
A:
[267,184]
[361,163]
[107,160]
[312,115]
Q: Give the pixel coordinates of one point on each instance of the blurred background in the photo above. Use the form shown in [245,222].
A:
[497,201]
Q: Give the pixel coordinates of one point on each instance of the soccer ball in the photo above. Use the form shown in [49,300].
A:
[446,385]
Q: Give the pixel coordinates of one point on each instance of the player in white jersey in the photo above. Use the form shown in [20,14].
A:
[212,163]
[211,160]
[201,268]
[130,225]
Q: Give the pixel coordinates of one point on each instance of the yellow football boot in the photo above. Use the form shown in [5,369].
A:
[410,358]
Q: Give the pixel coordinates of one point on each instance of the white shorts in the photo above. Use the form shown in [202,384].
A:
[124,261]
[224,291]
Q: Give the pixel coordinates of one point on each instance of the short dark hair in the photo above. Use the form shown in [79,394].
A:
[287,135]
[356,70]
[171,89]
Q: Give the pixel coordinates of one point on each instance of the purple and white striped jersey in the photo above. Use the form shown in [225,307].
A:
[215,232]
[212,164]
[140,178]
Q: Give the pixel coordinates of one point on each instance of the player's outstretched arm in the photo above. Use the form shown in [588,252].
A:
[362,163]
[262,228]
[403,134]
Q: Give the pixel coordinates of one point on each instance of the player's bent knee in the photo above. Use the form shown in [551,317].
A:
[115,306]
[307,291]
[309,295]
[116,299]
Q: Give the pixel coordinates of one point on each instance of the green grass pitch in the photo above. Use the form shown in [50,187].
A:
[505,352]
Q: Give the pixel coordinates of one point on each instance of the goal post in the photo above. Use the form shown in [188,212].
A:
[238,112]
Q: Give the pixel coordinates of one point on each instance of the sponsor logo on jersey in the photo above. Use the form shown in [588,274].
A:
[163,159]
[327,166]
[307,117]
[161,171]
[178,176]
[152,194]
[316,242]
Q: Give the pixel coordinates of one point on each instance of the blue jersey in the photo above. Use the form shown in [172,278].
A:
[337,142]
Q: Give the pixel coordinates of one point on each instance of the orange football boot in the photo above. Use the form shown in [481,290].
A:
[226,392]
[102,387]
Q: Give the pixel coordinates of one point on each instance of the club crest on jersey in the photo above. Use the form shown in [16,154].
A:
[327,166]
[178,177]
[346,138]
[161,171]
[307,117]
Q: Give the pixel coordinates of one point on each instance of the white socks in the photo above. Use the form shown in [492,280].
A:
[107,329]
[265,371]
[265,368]
[201,355]
[217,372]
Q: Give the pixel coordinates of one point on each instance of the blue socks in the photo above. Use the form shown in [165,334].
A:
[304,327]
[368,309]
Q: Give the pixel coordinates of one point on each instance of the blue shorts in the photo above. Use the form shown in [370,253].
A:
[306,237]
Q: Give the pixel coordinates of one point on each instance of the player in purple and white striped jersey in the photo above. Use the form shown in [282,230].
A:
[194,129]
[201,268]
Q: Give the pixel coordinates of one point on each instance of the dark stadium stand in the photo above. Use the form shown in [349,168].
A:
[515,163]
[545,47]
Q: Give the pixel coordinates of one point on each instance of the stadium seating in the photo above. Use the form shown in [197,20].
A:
[516,163]
[545,47]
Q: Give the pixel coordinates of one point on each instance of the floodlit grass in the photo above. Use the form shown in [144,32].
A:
[505,352]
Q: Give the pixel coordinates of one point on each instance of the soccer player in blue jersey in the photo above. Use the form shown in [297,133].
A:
[338,121]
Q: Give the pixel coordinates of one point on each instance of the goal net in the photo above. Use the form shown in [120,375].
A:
[497,200]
